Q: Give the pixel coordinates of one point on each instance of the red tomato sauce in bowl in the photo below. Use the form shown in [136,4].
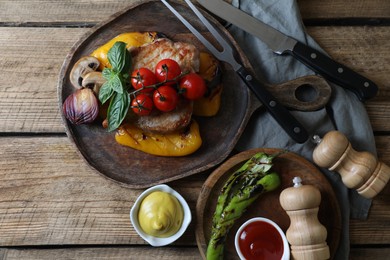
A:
[259,239]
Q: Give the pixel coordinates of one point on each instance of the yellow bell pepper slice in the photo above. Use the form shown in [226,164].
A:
[208,106]
[132,39]
[175,144]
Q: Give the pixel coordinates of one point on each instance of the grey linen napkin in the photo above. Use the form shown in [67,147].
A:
[344,111]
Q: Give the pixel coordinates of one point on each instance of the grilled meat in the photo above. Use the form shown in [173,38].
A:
[147,56]
[167,122]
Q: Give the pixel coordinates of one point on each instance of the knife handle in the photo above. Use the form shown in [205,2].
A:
[335,72]
[285,119]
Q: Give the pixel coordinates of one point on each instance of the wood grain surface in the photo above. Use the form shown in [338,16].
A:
[33,12]
[53,206]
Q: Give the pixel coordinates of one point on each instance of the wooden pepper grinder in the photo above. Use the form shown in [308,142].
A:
[306,235]
[358,170]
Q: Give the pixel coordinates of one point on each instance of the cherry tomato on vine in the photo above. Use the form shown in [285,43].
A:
[142,104]
[192,86]
[165,98]
[167,69]
[143,77]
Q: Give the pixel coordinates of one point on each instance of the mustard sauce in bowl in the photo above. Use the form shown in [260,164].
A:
[160,215]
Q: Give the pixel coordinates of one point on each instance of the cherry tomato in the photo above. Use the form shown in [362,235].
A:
[192,86]
[167,69]
[143,77]
[142,105]
[165,98]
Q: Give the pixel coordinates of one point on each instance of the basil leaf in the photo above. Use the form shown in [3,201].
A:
[117,110]
[119,57]
[115,87]
[107,73]
[105,92]
[127,66]
[116,84]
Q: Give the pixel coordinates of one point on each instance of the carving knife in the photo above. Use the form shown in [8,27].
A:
[280,43]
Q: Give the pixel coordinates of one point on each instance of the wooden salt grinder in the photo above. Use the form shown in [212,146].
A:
[358,170]
[306,235]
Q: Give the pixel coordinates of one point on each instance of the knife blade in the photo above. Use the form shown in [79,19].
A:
[280,44]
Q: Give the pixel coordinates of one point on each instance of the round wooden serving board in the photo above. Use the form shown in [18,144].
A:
[288,165]
[137,169]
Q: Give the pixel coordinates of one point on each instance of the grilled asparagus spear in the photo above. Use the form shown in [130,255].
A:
[242,188]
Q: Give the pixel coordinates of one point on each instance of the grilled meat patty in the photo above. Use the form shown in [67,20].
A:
[167,122]
[147,56]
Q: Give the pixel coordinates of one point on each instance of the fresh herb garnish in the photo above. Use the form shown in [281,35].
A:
[115,88]
[117,110]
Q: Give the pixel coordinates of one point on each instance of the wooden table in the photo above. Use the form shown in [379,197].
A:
[53,206]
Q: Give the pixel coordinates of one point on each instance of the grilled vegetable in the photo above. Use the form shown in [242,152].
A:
[175,144]
[132,39]
[210,71]
[242,188]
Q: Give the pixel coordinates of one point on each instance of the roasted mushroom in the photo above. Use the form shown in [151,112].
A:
[81,68]
[94,80]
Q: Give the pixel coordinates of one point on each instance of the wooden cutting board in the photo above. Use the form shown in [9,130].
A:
[288,166]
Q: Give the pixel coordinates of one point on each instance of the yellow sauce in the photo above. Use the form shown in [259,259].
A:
[160,214]
[175,144]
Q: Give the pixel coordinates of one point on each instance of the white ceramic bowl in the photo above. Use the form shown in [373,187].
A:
[286,248]
[157,241]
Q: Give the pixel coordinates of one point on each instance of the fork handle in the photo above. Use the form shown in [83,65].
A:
[284,118]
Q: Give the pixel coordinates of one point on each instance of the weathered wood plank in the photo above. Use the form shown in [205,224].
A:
[29,68]
[49,196]
[32,57]
[41,205]
[19,12]
[96,253]
[370,231]
[378,112]
[140,253]
[364,49]
[351,47]
[369,253]
[336,9]
[54,11]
